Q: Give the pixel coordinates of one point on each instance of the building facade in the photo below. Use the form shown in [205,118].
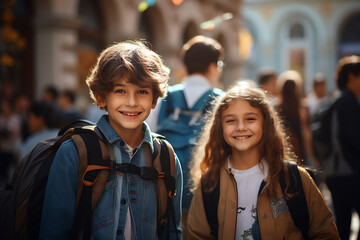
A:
[309,36]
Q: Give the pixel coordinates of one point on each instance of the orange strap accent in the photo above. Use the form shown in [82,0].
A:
[92,168]
[171,195]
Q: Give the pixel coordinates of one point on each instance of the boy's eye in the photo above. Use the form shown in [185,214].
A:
[119,91]
[143,91]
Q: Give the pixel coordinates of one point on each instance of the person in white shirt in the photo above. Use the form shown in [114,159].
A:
[202,57]
[318,95]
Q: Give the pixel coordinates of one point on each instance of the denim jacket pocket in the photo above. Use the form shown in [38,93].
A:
[105,209]
[149,203]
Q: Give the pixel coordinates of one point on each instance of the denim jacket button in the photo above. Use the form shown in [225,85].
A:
[123,201]
[119,232]
[122,143]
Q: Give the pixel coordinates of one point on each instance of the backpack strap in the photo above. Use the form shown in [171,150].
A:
[176,103]
[205,100]
[164,162]
[94,165]
[297,203]
[211,202]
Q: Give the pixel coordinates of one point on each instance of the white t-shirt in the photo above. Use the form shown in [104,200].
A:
[248,183]
[129,230]
[195,86]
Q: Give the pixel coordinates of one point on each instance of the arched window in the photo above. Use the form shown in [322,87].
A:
[296,31]
[349,42]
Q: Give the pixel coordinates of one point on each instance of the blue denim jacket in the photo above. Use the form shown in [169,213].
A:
[109,216]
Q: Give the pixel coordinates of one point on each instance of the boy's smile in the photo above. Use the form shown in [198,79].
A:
[128,105]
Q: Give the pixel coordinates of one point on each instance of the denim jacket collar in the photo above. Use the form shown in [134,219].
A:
[112,136]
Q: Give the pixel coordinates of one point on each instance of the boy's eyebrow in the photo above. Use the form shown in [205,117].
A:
[123,85]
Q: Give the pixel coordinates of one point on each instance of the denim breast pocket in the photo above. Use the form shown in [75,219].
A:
[103,214]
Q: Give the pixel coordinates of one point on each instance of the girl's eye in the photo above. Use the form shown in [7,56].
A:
[143,92]
[229,121]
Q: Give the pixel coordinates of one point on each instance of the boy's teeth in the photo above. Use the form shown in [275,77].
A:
[130,114]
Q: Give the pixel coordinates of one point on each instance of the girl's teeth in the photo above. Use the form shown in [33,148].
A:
[241,138]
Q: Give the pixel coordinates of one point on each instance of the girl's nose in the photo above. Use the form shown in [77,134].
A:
[241,126]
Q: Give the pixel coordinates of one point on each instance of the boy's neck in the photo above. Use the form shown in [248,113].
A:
[132,138]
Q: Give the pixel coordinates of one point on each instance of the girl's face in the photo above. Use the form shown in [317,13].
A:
[242,126]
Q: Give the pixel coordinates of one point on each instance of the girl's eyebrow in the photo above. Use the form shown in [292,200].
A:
[246,114]
[252,113]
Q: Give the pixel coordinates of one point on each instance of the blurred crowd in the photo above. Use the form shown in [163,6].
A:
[24,123]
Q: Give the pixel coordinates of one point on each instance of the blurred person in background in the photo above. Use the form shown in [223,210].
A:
[294,114]
[66,103]
[188,101]
[318,95]
[10,138]
[50,94]
[343,169]
[22,105]
[267,80]
[41,125]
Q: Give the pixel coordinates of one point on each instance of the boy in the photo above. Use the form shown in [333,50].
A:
[126,81]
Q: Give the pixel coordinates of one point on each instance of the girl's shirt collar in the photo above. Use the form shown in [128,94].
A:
[263,166]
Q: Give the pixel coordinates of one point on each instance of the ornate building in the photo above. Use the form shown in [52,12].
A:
[308,36]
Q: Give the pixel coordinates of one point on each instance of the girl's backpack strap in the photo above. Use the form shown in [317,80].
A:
[211,202]
[297,202]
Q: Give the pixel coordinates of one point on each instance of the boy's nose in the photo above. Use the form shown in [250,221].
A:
[132,101]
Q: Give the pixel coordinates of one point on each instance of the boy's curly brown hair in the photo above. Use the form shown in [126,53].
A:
[132,61]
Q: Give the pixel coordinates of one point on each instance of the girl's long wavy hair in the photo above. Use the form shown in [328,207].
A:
[212,151]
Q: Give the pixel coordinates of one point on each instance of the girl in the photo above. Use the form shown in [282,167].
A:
[242,148]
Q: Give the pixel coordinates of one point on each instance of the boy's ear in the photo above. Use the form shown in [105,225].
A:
[100,101]
[154,104]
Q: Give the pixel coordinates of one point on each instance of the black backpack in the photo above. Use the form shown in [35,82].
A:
[321,127]
[21,203]
[297,203]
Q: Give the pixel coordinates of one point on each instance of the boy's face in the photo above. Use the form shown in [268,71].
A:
[128,105]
